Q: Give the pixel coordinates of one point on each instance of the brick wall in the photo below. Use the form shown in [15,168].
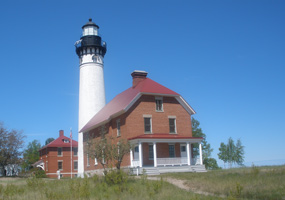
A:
[51,161]
[132,124]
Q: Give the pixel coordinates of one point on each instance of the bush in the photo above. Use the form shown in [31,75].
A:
[114,177]
[211,163]
[40,173]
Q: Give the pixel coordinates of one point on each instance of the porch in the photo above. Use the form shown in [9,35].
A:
[163,153]
[167,169]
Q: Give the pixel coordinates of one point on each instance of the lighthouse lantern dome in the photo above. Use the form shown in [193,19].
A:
[90,28]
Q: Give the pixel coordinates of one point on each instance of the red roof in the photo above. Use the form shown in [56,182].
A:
[60,142]
[163,136]
[122,102]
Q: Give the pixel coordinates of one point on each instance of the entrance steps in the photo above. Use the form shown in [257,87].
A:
[168,169]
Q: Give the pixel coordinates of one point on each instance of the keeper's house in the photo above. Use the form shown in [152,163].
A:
[56,156]
[156,120]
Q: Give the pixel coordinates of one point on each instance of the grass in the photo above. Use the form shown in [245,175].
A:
[241,183]
[94,188]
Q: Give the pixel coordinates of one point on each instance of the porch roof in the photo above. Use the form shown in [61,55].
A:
[165,137]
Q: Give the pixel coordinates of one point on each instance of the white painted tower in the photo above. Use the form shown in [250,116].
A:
[91,51]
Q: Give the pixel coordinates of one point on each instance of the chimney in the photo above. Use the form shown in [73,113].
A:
[138,76]
[61,133]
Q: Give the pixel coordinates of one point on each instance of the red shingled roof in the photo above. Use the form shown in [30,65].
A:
[123,101]
[59,142]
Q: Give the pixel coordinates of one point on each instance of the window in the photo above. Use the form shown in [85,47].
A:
[150,151]
[75,165]
[172,125]
[75,151]
[171,150]
[118,128]
[66,141]
[158,104]
[59,151]
[46,165]
[147,125]
[59,165]
[137,149]
[95,161]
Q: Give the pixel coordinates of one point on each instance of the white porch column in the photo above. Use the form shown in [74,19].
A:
[140,153]
[131,157]
[154,155]
[188,153]
[200,151]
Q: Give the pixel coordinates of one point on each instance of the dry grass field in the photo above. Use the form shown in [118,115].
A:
[242,183]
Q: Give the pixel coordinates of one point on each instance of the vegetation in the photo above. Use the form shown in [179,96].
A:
[31,154]
[108,152]
[231,184]
[49,140]
[210,163]
[95,188]
[231,153]
[239,183]
[11,143]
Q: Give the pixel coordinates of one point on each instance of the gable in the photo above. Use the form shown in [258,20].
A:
[125,100]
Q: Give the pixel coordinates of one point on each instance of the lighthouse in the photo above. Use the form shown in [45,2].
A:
[91,50]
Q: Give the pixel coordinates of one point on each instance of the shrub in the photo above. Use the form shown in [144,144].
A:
[40,173]
[114,177]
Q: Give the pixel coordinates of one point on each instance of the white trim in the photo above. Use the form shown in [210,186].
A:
[140,154]
[185,105]
[154,154]
[147,116]
[201,153]
[118,121]
[132,102]
[188,149]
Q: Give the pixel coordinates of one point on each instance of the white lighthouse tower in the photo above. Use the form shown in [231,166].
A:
[91,51]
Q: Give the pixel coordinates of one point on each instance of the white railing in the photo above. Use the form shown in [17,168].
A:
[136,163]
[172,161]
[195,161]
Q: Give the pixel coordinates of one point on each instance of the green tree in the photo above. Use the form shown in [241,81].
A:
[107,151]
[31,154]
[239,154]
[223,153]
[49,140]
[11,143]
[210,163]
[232,153]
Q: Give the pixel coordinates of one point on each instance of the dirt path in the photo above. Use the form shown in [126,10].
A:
[181,184]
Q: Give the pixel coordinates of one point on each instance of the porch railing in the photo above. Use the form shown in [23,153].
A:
[172,161]
[136,163]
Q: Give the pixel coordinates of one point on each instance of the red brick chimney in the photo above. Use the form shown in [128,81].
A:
[61,133]
[138,76]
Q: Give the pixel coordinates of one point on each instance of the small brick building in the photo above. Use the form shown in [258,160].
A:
[57,156]
[155,119]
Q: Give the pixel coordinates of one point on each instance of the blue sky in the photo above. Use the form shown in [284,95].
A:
[226,58]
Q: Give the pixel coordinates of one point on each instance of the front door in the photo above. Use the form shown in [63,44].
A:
[183,151]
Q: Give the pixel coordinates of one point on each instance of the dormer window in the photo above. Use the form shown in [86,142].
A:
[66,141]
[159,104]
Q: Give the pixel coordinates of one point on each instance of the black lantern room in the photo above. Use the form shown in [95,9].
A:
[90,42]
